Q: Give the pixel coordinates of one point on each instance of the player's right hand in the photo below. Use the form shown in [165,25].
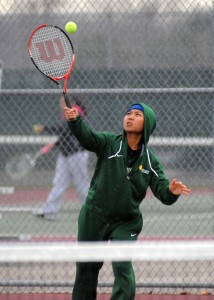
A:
[38,128]
[71,113]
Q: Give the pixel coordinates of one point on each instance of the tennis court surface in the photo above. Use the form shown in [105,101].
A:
[161,279]
[104,297]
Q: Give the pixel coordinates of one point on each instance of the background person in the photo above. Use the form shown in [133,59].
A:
[71,164]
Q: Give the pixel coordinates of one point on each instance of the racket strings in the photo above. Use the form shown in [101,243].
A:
[19,166]
[51,51]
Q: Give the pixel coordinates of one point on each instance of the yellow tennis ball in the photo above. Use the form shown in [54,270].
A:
[71,27]
[37,128]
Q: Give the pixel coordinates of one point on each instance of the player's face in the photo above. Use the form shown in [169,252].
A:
[134,121]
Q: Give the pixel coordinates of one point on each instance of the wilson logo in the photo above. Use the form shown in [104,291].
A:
[51,50]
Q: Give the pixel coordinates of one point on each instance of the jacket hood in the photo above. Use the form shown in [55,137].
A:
[149,122]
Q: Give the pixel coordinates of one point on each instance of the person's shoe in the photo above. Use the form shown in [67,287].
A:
[40,214]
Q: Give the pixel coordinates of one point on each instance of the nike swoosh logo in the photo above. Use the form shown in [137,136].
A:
[133,234]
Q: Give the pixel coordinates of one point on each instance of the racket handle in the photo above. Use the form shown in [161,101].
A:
[67,100]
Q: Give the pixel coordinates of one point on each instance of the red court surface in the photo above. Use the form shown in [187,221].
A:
[104,297]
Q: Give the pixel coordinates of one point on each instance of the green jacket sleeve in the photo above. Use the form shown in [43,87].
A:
[160,184]
[90,140]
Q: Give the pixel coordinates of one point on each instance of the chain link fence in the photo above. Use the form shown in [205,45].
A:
[158,52]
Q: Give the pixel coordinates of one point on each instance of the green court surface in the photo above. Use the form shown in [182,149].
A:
[190,217]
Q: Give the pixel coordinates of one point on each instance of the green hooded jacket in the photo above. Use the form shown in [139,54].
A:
[115,193]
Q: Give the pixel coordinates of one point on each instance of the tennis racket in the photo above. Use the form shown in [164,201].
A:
[52,53]
[20,165]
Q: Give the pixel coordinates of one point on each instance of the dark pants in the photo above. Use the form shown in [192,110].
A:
[94,228]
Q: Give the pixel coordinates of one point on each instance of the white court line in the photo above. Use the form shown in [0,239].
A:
[7,190]
[16,209]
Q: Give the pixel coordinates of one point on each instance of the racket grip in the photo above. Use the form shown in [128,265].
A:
[67,100]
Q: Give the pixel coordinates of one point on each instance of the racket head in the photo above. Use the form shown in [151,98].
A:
[52,52]
[20,165]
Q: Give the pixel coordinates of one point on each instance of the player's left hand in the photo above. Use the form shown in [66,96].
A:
[178,188]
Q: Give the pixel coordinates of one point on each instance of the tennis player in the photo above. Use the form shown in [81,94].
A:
[124,171]
[69,155]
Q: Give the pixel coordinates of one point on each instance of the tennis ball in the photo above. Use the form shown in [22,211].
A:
[71,27]
[37,128]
